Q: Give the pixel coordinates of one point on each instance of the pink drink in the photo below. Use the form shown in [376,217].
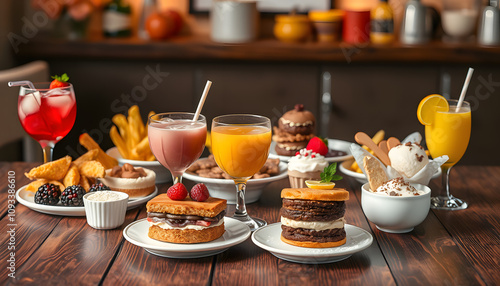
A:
[176,144]
[48,117]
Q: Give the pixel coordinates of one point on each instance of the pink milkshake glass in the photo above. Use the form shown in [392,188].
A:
[176,140]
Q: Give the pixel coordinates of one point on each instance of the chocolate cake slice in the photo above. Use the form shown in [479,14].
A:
[313,218]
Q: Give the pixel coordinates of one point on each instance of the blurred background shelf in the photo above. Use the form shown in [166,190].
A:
[193,48]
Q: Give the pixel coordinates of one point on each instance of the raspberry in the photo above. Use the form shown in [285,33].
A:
[199,193]
[177,192]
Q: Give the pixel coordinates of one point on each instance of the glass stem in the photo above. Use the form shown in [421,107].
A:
[47,153]
[241,209]
[445,190]
[177,179]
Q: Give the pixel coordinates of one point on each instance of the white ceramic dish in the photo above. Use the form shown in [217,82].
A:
[395,214]
[335,144]
[105,214]
[268,238]
[225,188]
[162,174]
[137,234]
[27,198]
[360,177]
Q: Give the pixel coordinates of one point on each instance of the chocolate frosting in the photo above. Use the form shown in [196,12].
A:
[127,171]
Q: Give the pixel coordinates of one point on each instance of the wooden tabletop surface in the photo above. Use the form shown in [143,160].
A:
[448,248]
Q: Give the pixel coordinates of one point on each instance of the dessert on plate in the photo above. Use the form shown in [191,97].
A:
[136,182]
[313,217]
[295,129]
[305,165]
[186,220]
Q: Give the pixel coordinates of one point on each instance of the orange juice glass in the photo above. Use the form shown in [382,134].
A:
[240,144]
[449,134]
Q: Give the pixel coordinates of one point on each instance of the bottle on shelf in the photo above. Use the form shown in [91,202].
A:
[116,20]
[382,24]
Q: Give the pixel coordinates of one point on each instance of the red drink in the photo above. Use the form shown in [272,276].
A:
[176,144]
[47,117]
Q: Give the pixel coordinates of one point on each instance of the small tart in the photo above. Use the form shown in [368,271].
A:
[134,187]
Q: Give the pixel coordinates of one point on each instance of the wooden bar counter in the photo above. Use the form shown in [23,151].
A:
[448,248]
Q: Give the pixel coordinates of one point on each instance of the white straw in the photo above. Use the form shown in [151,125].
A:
[202,100]
[464,89]
[20,83]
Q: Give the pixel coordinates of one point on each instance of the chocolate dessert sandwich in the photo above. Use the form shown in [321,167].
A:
[313,218]
[295,129]
[185,221]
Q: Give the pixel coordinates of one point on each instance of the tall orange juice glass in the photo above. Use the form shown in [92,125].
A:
[449,134]
[240,144]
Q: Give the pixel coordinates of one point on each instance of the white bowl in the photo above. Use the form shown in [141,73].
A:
[106,214]
[226,189]
[162,174]
[360,177]
[395,214]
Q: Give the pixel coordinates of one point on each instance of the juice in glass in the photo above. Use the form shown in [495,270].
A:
[241,151]
[47,117]
[176,144]
[449,134]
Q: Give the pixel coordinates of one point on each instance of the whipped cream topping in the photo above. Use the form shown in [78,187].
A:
[307,161]
[292,124]
[288,148]
[165,225]
[314,225]
[399,188]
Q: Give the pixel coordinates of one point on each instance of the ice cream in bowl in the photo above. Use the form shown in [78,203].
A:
[393,205]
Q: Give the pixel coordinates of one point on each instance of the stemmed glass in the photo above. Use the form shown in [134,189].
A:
[449,135]
[177,140]
[240,144]
[47,114]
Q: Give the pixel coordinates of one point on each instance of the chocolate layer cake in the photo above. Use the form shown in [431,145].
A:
[313,218]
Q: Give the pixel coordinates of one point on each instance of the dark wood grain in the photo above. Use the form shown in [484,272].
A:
[425,255]
[19,169]
[452,248]
[136,266]
[73,253]
[201,48]
[476,229]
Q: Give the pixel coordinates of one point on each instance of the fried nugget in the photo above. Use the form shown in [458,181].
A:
[84,182]
[54,170]
[33,186]
[72,176]
[93,169]
[89,156]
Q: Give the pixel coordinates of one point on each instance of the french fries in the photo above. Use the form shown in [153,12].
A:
[130,135]
[107,161]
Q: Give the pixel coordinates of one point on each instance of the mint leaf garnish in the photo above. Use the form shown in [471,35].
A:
[329,175]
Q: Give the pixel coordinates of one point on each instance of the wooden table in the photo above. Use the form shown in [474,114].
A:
[448,248]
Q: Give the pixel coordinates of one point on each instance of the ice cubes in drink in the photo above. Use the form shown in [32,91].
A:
[64,103]
[30,104]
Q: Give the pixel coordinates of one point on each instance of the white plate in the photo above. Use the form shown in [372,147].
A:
[268,238]
[335,144]
[226,189]
[361,178]
[27,199]
[137,234]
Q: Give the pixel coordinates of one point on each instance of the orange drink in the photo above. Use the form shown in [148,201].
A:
[241,151]
[240,144]
[449,134]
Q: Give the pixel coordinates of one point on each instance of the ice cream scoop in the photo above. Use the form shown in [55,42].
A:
[399,188]
[408,159]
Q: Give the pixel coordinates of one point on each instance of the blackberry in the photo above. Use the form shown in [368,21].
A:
[73,196]
[47,194]
[99,187]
